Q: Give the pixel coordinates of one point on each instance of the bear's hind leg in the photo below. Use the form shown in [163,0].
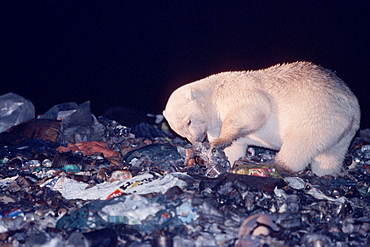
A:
[330,162]
[327,163]
[293,155]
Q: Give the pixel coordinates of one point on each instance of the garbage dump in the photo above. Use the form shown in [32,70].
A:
[81,180]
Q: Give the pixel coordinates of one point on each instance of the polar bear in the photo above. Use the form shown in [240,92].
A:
[300,109]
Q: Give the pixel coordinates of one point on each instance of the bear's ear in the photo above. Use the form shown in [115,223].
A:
[190,94]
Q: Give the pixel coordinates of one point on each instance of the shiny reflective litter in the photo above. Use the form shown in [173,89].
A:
[151,194]
[141,184]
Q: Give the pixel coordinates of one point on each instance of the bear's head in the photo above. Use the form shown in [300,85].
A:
[186,115]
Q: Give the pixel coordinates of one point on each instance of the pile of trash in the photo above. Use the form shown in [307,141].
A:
[68,178]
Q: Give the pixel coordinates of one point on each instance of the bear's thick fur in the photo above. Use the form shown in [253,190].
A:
[301,109]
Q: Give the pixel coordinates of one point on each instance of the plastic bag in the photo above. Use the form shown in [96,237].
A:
[14,109]
[60,111]
[79,126]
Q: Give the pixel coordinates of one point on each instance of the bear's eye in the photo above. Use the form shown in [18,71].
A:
[189,122]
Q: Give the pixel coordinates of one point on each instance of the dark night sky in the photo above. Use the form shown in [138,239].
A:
[135,53]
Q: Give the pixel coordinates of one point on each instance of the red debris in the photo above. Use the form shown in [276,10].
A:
[89,148]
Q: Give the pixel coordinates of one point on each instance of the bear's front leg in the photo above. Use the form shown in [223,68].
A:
[241,122]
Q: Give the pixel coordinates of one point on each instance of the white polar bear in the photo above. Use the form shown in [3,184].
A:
[301,109]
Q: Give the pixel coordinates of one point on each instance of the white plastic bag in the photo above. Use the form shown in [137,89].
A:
[14,109]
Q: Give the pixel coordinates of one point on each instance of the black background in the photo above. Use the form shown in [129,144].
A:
[135,53]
